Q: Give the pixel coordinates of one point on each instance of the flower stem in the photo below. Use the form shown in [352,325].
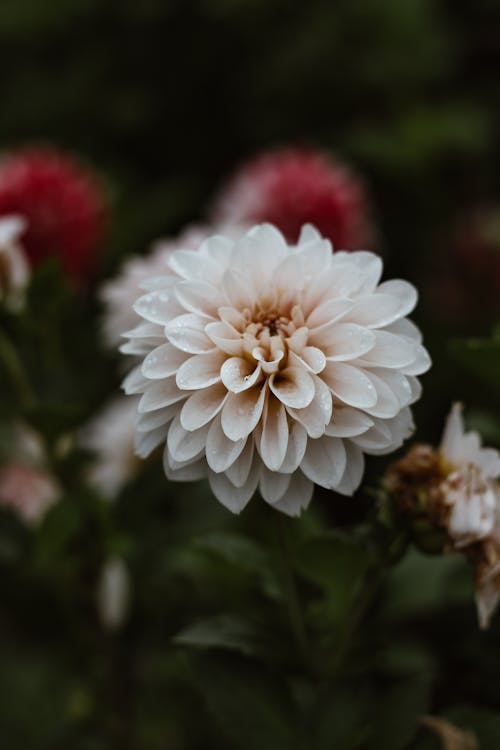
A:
[15,370]
[294,608]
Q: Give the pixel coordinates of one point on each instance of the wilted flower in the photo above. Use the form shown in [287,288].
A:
[274,366]
[14,268]
[113,593]
[110,436]
[120,294]
[455,490]
[62,203]
[295,186]
[468,489]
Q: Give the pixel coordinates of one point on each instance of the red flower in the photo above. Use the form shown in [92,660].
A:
[291,187]
[62,203]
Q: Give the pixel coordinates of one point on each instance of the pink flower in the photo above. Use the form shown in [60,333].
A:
[292,187]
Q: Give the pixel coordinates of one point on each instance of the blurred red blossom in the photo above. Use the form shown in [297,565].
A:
[294,186]
[62,203]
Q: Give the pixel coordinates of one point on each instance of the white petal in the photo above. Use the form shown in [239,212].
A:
[405,292]
[153,419]
[354,470]
[191,264]
[135,382]
[415,387]
[293,386]
[376,311]
[146,442]
[225,337]
[233,498]
[274,438]
[273,485]
[421,363]
[297,442]
[200,371]
[390,351]
[297,497]
[398,383]
[187,332]
[238,374]
[242,412]
[347,422]
[163,361]
[405,327]
[311,358]
[237,289]
[328,312]
[369,269]
[378,437]
[489,461]
[202,406]
[221,452]
[161,393]
[324,461]
[318,414]
[388,404]
[239,470]
[349,384]
[199,297]
[184,445]
[344,341]
[191,472]
[155,306]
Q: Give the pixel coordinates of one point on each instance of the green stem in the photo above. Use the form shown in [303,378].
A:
[294,608]
[15,370]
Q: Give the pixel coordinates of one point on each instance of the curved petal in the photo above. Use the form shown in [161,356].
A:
[297,497]
[221,452]
[242,412]
[239,470]
[349,384]
[376,310]
[297,443]
[161,393]
[184,445]
[274,436]
[225,337]
[202,406]
[163,361]
[390,351]
[293,386]
[200,371]
[187,332]
[347,422]
[318,414]
[354,470]
[239,374]
[346,341]
[324,461]
[233,498]
[273,485]
[405,292]
[199,297]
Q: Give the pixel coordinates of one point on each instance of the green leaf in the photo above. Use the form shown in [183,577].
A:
[249,704]
[223,631]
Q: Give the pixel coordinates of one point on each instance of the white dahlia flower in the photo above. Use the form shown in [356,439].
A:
[274,366]
[470,489]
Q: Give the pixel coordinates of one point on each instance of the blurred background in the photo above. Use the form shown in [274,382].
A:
[162,100]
